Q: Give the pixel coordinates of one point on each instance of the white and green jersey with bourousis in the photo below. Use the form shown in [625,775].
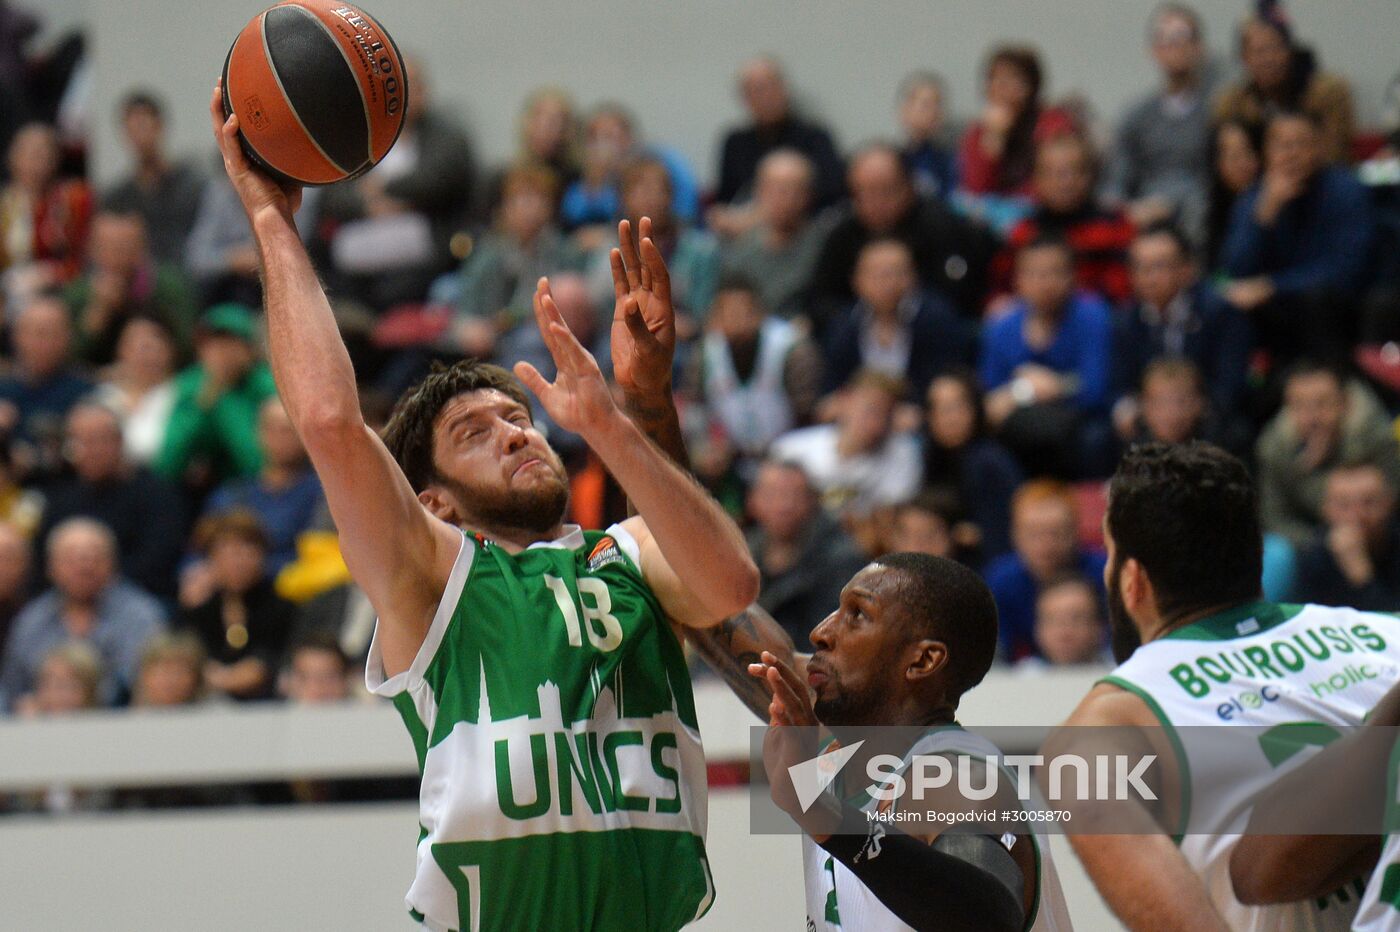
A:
[1296,674]
[563,779]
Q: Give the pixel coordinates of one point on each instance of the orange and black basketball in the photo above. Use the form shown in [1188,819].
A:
[319,89]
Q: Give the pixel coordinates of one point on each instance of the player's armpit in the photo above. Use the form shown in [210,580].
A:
[732,645]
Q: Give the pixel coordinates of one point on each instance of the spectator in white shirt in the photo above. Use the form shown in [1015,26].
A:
[139,385]
[858,463]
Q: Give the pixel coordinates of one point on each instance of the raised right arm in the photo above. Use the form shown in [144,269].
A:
[643,347]
[398,554]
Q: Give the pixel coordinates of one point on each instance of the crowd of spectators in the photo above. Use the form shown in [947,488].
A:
[937,342]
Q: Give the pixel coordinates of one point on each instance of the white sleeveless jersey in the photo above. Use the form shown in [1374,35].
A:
[757,411]
[1294,673]
[838,900]
[1380,907]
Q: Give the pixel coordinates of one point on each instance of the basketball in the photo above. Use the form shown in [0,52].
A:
[319,88]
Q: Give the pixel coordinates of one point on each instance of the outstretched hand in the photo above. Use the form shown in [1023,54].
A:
[644,320]
[783,747]
[579,398]
[255,189]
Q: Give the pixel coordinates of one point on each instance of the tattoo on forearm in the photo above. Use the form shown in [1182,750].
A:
[732,645]
[715,646]
[647,412]
[657,418]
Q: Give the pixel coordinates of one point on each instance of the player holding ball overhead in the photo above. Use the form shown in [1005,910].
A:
[545,690]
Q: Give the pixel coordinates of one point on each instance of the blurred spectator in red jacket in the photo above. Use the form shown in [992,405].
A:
[998,149]
[43,219]
[1066,207]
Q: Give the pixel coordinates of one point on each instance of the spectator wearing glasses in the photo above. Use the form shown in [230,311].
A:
[1161,163]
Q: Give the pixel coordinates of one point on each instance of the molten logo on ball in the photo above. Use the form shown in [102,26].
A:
[257,117]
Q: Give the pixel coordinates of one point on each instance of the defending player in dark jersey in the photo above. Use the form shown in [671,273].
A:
[911,635]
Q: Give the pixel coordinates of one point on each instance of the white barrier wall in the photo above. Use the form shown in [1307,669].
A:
[343,867]
[336,868]
[673,63]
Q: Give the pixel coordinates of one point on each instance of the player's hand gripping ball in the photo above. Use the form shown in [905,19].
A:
[319,89]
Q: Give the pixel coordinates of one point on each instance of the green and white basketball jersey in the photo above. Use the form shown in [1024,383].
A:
[838,900]
[563,779]
[1380,906]
[1295,674]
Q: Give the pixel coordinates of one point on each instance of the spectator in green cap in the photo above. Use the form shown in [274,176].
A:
[212,435]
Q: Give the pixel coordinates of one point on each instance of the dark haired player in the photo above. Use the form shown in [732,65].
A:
[911,635]
[1185,556]
[563,781]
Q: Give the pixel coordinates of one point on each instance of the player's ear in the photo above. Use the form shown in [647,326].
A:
[440,505]
[928,657]
[1135,587]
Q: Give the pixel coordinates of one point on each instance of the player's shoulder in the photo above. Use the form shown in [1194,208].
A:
[1314,612]
[1112,702]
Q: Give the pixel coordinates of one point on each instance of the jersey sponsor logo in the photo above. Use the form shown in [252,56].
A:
[605,769]
[604,553]
[1275,659]
[1246,702]
[1349,676]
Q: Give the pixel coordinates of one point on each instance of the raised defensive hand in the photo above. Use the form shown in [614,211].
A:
[255,189]
[784,745]
[644,320]
[578,399]
[792,700]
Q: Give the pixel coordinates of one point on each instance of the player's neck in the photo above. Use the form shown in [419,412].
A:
[916,713]
[1165,626]
[515,539]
